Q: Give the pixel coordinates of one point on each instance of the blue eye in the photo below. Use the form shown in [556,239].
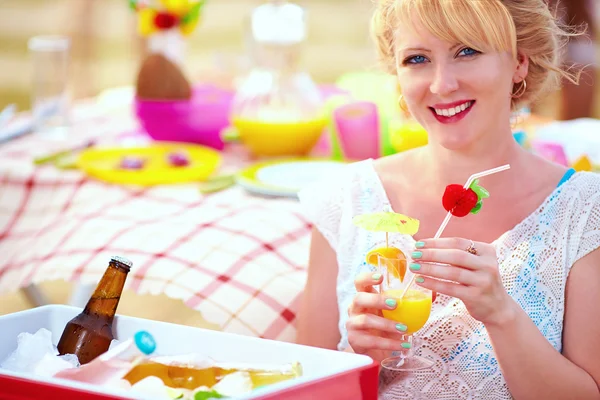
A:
[467,51]
[416,60]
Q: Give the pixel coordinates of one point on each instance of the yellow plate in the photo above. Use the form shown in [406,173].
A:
[105,164]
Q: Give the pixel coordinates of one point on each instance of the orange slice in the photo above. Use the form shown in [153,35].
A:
[396,260]
[387,252]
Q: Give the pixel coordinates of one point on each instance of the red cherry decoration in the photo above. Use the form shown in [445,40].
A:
[451,196]
[165,20]
[459,201]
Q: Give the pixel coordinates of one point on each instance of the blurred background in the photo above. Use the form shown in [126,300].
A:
[107,50]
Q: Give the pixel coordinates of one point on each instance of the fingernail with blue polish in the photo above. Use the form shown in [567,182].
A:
[376,277]
[414,267]
[419,280]
[417,254]
[391,303]
[420,245]
[401,327]
[406,345]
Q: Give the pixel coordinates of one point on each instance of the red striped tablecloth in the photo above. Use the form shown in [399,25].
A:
[238,259]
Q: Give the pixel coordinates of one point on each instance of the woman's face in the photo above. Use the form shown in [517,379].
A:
[458,94]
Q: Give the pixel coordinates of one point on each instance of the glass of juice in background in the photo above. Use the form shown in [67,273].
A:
[412,310]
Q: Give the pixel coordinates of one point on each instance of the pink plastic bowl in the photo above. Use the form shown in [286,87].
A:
[198,120]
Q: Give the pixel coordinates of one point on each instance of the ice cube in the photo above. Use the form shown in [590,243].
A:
[31,348]
[51,364]
[120,384]
[113,343]
[235,384]
[151,386]
[71,359]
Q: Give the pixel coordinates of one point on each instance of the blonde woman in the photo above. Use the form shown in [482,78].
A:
[520,317]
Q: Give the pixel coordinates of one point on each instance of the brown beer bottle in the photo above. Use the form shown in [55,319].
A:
[89,334]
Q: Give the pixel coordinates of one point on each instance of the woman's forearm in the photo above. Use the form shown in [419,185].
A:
[532,368]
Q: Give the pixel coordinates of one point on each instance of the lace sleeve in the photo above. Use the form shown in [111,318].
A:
[587,219]
[322,204]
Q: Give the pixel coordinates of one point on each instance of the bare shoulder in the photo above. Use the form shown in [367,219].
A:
[547,172]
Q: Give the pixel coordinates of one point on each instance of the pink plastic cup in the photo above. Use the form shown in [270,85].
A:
[358,130]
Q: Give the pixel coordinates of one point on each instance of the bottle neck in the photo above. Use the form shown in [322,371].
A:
[282,58]
[105,299]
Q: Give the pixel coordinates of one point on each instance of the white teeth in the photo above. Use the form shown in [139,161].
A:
[450,112]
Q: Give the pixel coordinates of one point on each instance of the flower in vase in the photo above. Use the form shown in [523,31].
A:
[183,14]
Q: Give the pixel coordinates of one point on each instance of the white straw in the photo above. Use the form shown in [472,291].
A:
[449,215]
[485,173]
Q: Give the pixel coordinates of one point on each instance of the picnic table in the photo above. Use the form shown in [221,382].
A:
[238,259]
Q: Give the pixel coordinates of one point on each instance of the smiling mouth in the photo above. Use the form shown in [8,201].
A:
[451,112]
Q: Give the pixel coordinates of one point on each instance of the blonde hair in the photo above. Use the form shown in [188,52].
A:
[527,26]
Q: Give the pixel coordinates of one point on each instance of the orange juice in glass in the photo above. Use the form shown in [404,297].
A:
[413,310]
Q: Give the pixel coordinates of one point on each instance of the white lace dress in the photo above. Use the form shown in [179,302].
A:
[534,258]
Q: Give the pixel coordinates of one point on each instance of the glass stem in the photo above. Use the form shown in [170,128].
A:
[411,351]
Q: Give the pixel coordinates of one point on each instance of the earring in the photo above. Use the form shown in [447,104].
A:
[521,91]
[402,104]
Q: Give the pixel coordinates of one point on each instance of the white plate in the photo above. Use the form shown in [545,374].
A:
[285,177]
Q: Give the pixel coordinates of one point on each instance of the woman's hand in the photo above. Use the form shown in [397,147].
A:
[469,273]
[368,331]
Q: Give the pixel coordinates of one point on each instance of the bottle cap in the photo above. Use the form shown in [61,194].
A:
[145,342]
[122,260]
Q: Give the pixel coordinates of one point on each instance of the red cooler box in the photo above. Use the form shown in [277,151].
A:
[328,374]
